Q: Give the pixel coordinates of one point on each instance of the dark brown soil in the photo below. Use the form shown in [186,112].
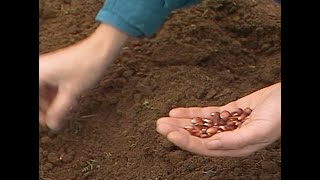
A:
[207,55]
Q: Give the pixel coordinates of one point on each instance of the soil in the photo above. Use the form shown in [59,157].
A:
[210,54]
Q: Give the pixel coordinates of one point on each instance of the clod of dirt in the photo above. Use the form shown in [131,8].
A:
[167,144]
[45,140]
[119,82]
[53,158]
[48,13]
[45,153]
[106,83]
[225,92]
[66,158]
[52,134]
[67,1]
[137,98]
[176,156]
[144,89]
[269,166]
[188,54]
[127,73]
[211,94]
[265,177]
[47,166]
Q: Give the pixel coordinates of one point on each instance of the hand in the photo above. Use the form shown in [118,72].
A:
[68,72]
[261,129]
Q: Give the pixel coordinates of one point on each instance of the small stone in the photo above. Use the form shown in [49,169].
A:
[269,166]
[211,93]
[66,158]
[45,140]
[53,158]
[48,166]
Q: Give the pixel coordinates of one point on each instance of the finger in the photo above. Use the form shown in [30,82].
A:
[57,110]
[179,122]
[166,125]
[184,140]
[43,103]
[193,112]
[252,133]
[198,146]
[41,118]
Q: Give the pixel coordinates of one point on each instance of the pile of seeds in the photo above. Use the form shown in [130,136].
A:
[218,122]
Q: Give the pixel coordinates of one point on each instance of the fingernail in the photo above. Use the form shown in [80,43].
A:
[215,144]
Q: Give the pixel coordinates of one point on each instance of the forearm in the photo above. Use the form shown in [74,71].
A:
[106,42]
[100,47]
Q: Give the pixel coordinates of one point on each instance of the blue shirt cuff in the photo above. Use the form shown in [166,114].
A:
[139,17]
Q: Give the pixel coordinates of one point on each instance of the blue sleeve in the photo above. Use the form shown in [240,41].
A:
[139,17]
[277,1]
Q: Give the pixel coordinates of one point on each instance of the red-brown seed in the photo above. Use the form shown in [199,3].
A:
[215,118]
[196,120]
[195,133]
[215,114]
[189,128]
[233,118]
[225,115]
[247,110]
[230,123]
[204,130]
[230,127]
[199,124]
[237,112]
[221,122]
[204,135]
[207,120]
[221,128]
[208,124]
[238,124]
[212,130]
[242,116]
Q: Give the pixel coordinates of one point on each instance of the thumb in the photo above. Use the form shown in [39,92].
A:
[57,110]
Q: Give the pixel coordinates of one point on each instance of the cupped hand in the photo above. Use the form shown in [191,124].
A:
[262,128]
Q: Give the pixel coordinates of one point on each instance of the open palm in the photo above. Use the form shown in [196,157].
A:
[262,128]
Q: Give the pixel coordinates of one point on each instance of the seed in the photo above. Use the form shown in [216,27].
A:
[230,127]
[208,124]
[247,110]
[196,120]
[215,114]
[242,116]
[199,124]
[207,120]
[238,124]
[204,135]
[221,128]
[195,133]
[212,130]
[230,123]
[221,122]
[233,118]
[215,117]
[188,128]
[237,112]
[225,115]
[203,131]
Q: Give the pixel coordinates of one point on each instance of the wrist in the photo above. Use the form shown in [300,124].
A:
[105,42]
